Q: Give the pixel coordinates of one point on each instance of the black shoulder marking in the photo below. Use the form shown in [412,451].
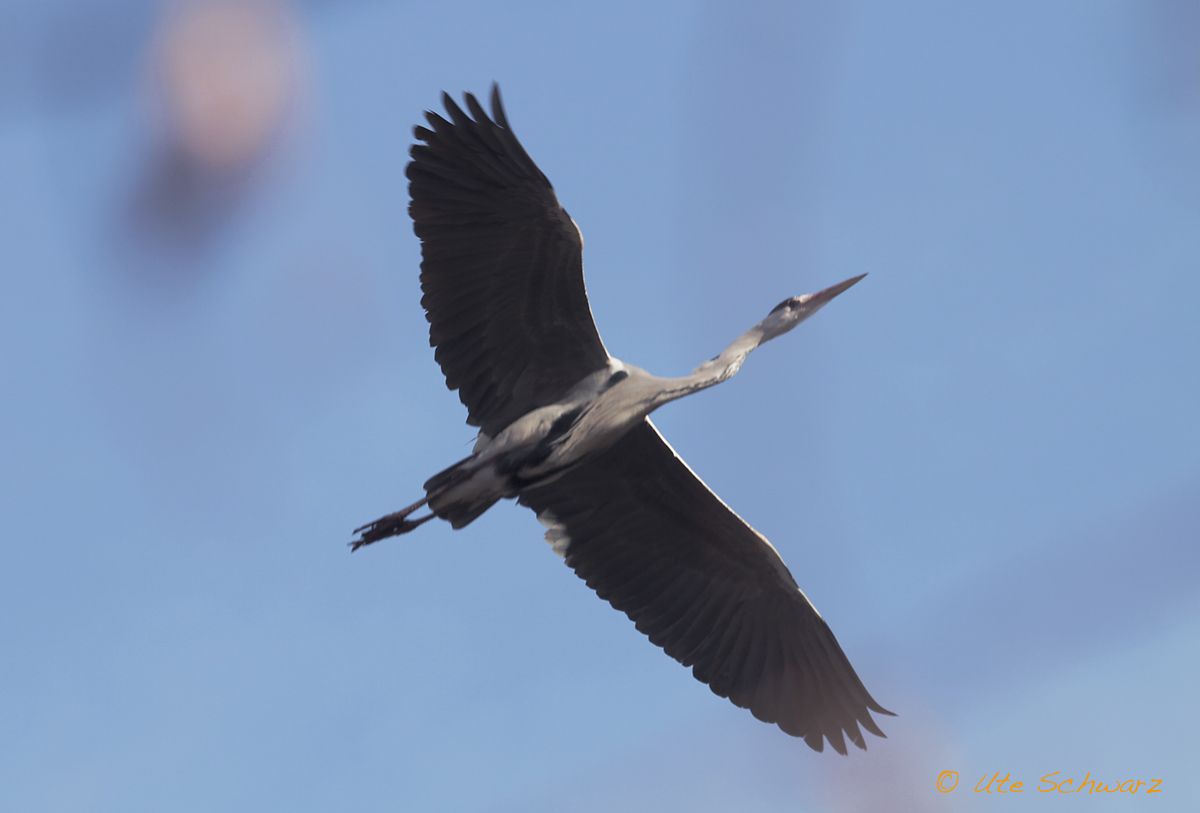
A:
[562,423]
[518,483]
[616,378]
[512,462]
[507,465]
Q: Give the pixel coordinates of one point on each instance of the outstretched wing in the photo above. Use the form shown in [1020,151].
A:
[649,537]
[501,268]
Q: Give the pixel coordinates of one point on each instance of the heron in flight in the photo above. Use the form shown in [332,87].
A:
[564,429]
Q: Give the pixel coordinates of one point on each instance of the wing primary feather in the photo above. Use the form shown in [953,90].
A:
[702,655]
[478,112]
[672,605]
[749,663]
[692,634]
[767,705]
[729,657]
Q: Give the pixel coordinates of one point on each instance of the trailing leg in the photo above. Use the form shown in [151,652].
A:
[392,525]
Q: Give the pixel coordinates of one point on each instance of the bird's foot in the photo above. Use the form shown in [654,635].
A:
[391,525]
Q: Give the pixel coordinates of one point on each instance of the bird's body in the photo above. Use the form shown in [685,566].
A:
[551,440]
[591,417]
[564,429]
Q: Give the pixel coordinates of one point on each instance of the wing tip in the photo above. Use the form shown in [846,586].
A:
[836,736]
[498,113]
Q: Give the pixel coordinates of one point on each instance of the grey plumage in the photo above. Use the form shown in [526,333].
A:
[564,429]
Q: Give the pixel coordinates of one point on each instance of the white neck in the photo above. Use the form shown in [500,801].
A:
[712,372]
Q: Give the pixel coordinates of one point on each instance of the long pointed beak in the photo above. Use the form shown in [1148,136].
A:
[822,297]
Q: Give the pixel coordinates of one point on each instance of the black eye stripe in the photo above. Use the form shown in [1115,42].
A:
[782,304]
[619,375]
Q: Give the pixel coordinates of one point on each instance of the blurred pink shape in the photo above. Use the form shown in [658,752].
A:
[228,74]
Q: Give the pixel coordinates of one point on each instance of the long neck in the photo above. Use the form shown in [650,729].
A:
[713,371]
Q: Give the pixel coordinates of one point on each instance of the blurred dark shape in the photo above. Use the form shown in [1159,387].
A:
[225,79]
[181,204]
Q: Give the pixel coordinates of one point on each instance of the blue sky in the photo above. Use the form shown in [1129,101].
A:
[981,464]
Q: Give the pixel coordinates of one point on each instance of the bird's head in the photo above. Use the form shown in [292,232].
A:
[791,312]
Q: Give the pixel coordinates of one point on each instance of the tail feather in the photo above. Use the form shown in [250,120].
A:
[453,497]
[462,513]
[449,476]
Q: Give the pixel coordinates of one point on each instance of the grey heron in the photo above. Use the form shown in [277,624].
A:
[564,429]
